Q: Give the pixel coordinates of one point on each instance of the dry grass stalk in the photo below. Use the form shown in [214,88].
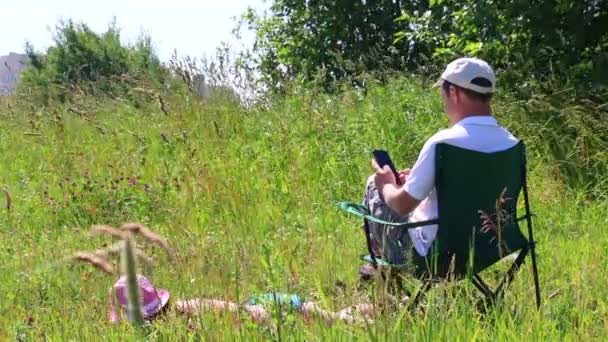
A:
[130,254]
[143,257]
[92,259]
[496,221]
[163,106]
[108,230]
[110,251]
[143,231]
[128,267]
[116,249]
[9,199]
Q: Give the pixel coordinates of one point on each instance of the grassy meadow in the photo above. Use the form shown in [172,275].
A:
[246,196]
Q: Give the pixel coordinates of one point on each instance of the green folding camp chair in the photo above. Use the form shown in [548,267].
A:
[477,223]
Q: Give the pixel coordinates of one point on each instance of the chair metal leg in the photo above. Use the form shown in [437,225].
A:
[393,279]
[368,240]
[483,287]
[532,243]
[426,285]
[511,272]
[535,273]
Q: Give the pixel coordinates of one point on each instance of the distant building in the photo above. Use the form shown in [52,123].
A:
[10,68]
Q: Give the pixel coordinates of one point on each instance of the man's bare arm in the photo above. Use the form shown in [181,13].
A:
[394,196]
[398,199]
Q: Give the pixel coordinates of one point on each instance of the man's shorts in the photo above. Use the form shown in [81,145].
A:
[392,244]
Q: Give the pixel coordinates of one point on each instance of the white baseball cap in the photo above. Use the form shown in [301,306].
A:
[470,73]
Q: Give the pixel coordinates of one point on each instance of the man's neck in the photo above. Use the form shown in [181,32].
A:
[473,110]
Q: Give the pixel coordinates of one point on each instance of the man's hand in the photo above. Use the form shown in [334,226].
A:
[394,196]
[383,176]
[403,176]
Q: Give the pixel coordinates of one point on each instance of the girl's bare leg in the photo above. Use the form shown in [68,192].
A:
[311,310]
[196,306]
[355,314]
[258,313]
[359,313]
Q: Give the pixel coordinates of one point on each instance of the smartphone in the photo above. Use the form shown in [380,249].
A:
[382,158]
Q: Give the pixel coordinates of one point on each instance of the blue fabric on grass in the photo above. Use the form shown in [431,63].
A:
[290,301]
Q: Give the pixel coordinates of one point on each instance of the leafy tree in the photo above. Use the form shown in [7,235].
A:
[339,39]
[528,40]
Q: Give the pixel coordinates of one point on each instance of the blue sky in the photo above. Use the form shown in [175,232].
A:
[192,27]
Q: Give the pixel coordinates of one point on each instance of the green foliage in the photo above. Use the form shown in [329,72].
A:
[328,40]
[527,42]
[572,134]
[83,61]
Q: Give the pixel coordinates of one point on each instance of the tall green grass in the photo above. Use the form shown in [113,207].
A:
[246,197]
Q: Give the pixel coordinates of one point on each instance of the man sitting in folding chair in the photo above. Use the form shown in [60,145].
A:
[460,197]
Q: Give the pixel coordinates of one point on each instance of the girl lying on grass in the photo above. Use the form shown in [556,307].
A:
[155,303]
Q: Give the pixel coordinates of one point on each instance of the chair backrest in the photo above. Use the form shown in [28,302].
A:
[477,200]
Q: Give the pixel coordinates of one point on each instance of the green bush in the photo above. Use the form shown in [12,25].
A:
[82,61]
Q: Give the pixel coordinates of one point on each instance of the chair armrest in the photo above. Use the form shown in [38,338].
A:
[363,212]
